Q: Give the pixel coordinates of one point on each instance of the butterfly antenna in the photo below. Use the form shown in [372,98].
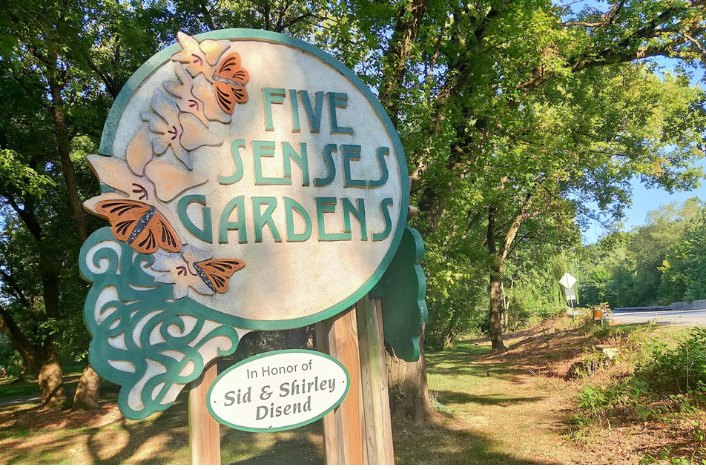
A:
[141,190]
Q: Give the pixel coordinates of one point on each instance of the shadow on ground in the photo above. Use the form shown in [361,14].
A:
[444,441]
[47,437]
[445,397]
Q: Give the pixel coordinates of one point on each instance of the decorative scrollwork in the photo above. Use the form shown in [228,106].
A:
[143,338]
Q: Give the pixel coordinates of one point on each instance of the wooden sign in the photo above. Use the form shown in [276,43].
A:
[278,390]
[250,181]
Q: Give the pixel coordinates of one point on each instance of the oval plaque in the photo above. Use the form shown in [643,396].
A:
[278,390]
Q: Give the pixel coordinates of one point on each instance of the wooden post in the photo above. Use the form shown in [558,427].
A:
[373,368]
[344,433]
[204,433]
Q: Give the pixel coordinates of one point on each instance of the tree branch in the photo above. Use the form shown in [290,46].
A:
[7,279]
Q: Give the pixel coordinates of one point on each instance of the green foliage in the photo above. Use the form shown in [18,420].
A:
[535,128]
[657,263]
[678,370]
[669,381]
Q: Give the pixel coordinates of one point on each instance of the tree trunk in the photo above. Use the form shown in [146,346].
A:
[408,388]
[51,384]
[22,375]
[40,359]
[297,338]
[496,307]
[496,291]
[448,336]
[86,397]
[78,215]
[505,315]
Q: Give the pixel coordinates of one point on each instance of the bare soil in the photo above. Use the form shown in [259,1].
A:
[527,402]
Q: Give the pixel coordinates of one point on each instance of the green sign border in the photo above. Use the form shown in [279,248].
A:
[165,55]
[274,353]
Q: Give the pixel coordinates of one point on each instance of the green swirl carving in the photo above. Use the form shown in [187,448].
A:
[121,351]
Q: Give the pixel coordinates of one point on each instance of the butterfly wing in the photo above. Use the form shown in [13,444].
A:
[157,233]
[229,83]
[139,224]
[215,272]
[167,237]
[123,215]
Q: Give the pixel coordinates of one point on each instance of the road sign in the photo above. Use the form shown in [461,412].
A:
[571,295]
[567,280]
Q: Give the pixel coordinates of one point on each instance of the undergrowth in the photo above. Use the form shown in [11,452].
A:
[667,385]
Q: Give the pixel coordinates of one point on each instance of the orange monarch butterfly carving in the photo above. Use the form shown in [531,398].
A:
[215,272]
[140,225]
[229,83]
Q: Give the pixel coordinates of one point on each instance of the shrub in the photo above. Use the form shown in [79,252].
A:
[677,370]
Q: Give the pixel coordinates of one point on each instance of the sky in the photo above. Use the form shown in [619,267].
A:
[644,201]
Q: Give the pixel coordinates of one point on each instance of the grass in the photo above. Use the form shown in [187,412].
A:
[34,437]
[491,408]
[9,389]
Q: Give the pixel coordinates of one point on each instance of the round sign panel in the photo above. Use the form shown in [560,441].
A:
[261,174]
[250,182]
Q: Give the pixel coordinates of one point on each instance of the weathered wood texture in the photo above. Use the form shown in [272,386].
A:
[373,367]
[344,433]
[204,432]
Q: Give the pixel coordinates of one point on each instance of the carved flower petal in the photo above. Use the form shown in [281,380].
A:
[201,288]
[172,268]
[192,254]
[139,150]
[166,261]
[192,57]
[90,204]
[163,105]
[187,102]
[155,122]
[195,134]
[160,144]
[183,155]
[173,178]
[115,173]
[204,91]
[180,290]
[214,49]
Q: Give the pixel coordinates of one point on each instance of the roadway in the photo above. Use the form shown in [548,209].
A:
[664,317]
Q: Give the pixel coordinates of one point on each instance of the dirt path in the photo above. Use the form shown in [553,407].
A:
[511,408]
[512,411]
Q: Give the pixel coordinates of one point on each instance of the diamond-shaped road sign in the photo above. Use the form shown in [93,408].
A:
[567,280]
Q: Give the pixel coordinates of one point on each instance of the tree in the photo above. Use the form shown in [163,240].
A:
[53,67]
[514,117]
[650,264]
[528,125]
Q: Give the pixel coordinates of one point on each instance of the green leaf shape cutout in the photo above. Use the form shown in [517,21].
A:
[403,289]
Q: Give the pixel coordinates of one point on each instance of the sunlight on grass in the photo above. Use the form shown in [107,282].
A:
[492,409]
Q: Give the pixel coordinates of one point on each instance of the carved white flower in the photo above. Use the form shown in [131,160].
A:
[178,269]
[199,58]
[182,90]
[182,132]
[116,173]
